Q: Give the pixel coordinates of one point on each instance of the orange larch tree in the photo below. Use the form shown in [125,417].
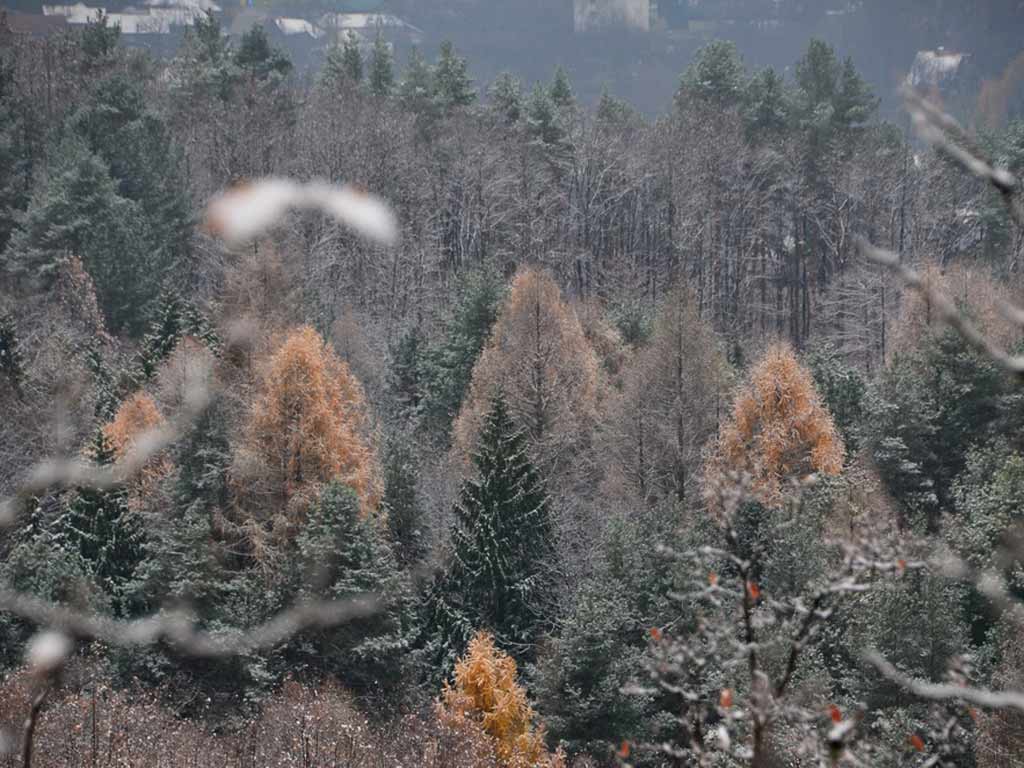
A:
[779,430]
[137,415]
[540,359]
[486,694]
[308,425]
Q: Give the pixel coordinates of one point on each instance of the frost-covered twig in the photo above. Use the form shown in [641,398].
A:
[178,632]
[946,308]
[944,691]
[948,136]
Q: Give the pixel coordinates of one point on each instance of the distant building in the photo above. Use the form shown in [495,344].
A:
[157,18]
[591,15]
[939,69]
[366,25]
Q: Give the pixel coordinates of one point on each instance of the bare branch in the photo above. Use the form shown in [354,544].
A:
[179,632]
[944,691]
[947,309]
[948,136]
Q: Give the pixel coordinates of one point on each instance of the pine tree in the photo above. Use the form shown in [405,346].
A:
[541,118]
[448,367]
[716,76]
[416,92]
[382,72]
[105,387]
[407,369]
[344,554]
[173,320]
[501,544]
[98,526]
[259,57]
[406,520]
[352,65]
[454,88]
[12,363]
[506,97]
[561,90]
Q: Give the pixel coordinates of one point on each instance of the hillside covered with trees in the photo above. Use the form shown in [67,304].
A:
[621,446]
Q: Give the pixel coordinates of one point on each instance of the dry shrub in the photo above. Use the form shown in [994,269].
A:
[486,694]
[309,425]
[780,431]
[90,723]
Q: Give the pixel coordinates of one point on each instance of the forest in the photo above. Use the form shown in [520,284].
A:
[377,416]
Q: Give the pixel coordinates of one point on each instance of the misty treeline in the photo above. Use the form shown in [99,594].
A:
[635,451]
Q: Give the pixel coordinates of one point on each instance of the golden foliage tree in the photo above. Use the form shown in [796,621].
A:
[487,694]
[136,416]
[658,426]
[779,430]
[539,357]
[308,425]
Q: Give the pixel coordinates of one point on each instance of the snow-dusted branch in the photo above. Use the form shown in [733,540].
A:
[945,691]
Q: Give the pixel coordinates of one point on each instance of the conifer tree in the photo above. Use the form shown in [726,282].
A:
[416,91]
[780,430]
[501,543]
[382,68]
[407,369]
[454,87]
[98,526]
[541,117]
[12,364]
[344,554]
[539,356]
[401,504]
[486,692]
[561,90]
[506,96]
[352,64]
[173,320]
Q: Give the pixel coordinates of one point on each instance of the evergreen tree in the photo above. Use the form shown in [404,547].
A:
[256,55]
[767,106]
[98,526]
[843,390]
[12,364]
[448,367]
[506,97]
[613,113]
[454,88]
[352,59]
[344,554]
[382,72]
[401,504]
[416,92]
[79,211]
[405,379]
[501,541]
[716,76]
[105,387]
[542,119]
[561,90]
[173,320]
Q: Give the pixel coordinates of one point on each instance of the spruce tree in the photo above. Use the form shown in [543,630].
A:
[506,96]
[454,86]
[98,526]
[382,69]
[501,540]
[12,365]
[173,320]
[416,91]
[561,90]
[401,504]
[343,553]
[352,59]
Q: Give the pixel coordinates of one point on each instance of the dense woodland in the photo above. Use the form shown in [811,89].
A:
[635,450]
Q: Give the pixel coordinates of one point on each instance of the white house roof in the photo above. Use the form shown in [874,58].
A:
[298,27]
[79,13]
[363,21]
[197,5]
